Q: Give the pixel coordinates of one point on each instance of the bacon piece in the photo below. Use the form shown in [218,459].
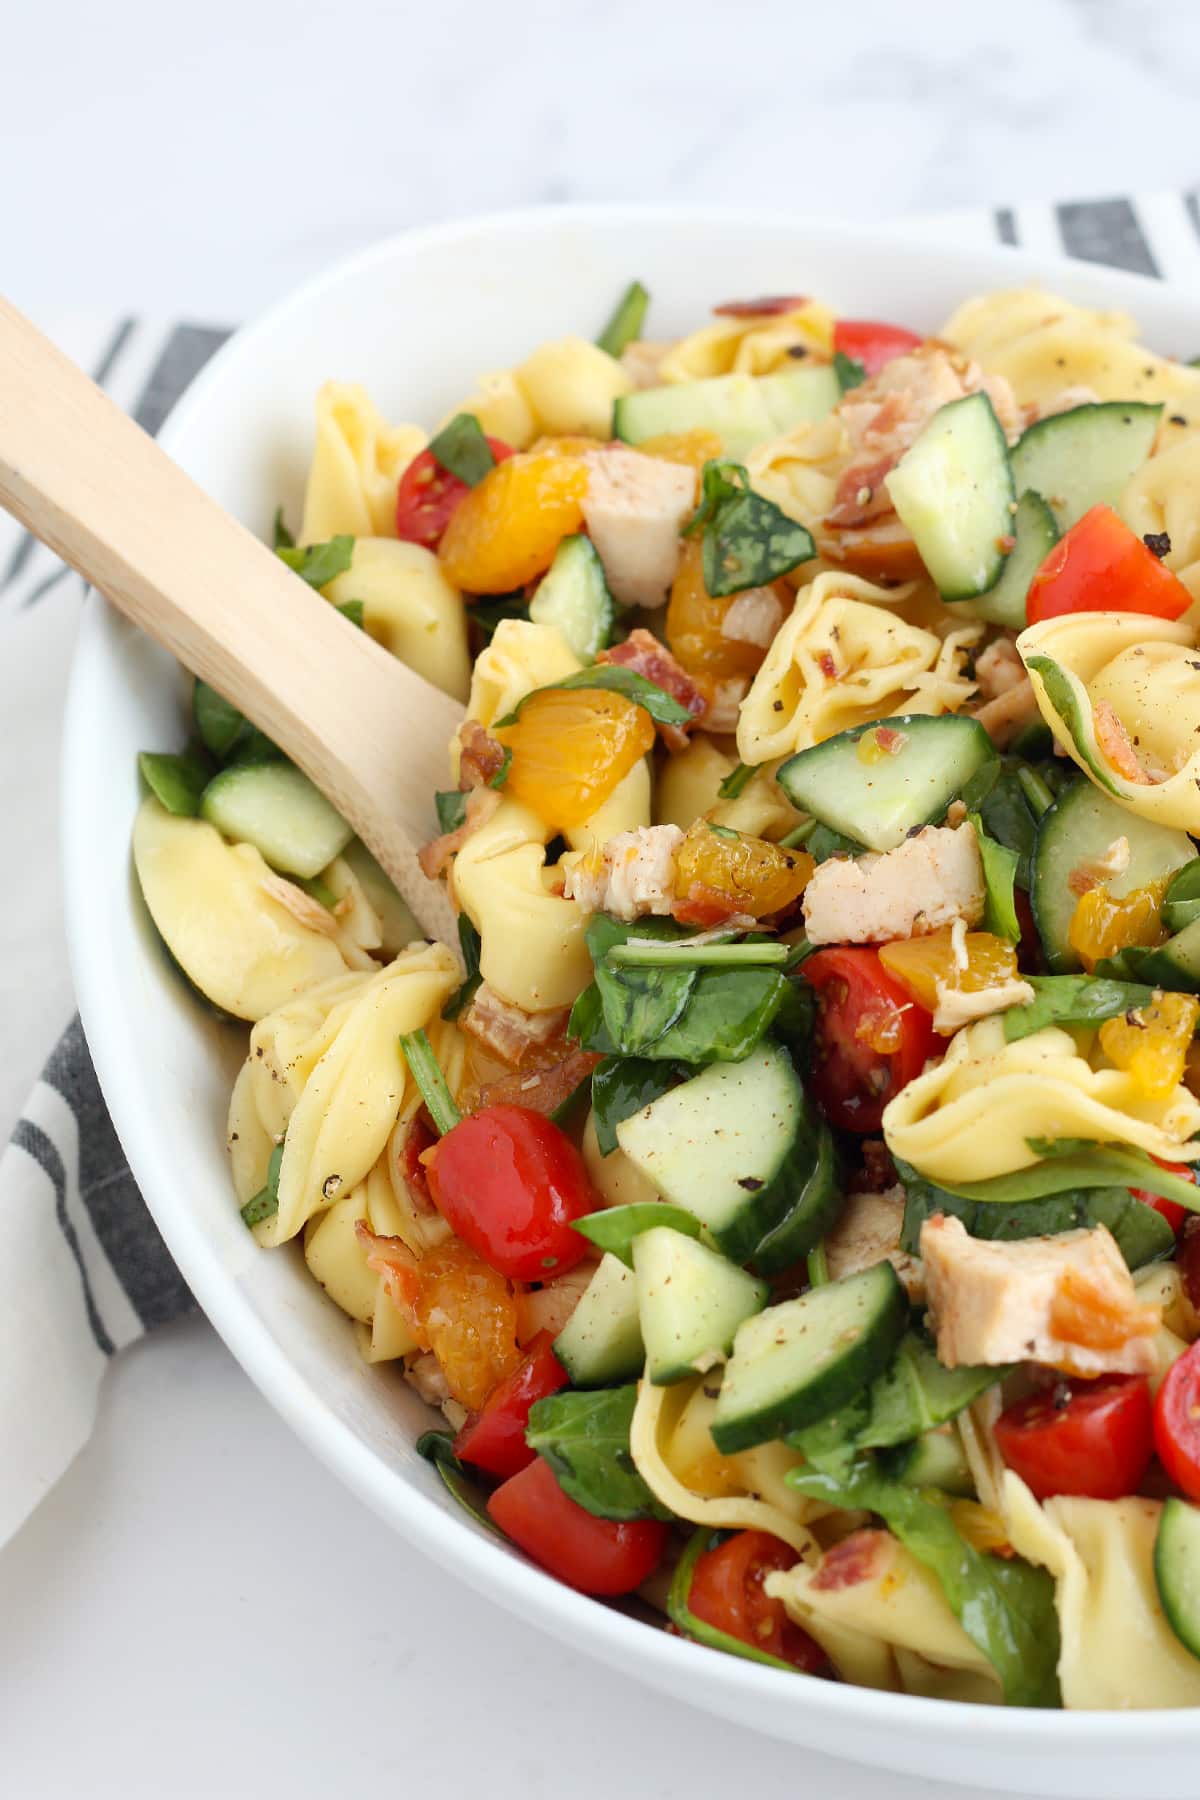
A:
[861,495]
[542,1089]
[481,757]
[434,857]
[509,1032]
[643,653]
[765,307]
[1113,740]
[859,1557]
[391,1258]
[419,1139]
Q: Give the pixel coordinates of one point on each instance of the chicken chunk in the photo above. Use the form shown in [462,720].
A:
[868,1232]
[633,875]
[928,881]
[1066,1301]
[634,508]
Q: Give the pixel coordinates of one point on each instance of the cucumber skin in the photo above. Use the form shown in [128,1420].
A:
[620,1358]
[1178,1540]
[811,1215]
[927,516]
[1036,534]
[1028,451]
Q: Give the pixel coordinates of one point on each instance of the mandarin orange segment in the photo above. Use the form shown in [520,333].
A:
[506,530]
[926,964]
[468,1313]
[1152,1042]
[570,748]
[1100,925]
[691,448]
[694,621]
[744,874]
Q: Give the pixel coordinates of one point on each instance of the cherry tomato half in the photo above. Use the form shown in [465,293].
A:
[871,343]
[511,1184]
[727,1593]
[1080,1437]
[427,496]
[871,1040]
[1171,1210]
[597,1556]
[1102,566]
[495,1439]
[1177,1422]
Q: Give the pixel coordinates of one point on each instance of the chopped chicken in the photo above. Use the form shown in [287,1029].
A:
[1067,1301]
[634,508]
[1008,713]
[998,668]
[509,1032]
[957,1007]
[642,652]
[868,1232]
[425,1374]
[723,706]
[754,617]
[928,881]
[633,875]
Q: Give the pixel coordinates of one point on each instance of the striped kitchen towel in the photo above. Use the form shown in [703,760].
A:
[85,1271]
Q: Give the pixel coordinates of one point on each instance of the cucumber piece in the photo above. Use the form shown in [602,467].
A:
[1176,964]
[574,596]
[601,1343]
[1182,905]
[398,926]
[743,410]
[878,802]
[1177,1569]
[733,1146]
[953,489]
[1077,829]
[808,391]
[810,1216]
[1084,457]
[1036,534]
[277,809]
[177,782]
[798,1361]
[935,1459]
[690,1303]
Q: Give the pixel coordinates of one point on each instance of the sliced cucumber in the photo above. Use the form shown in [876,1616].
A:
[1076,830]
[743,410]
[1036,534]
[734,1146]
[690,1303]
[953,488]
[574,596]
[277,809]
[935,1459]
[601,1343]
[798,1361]
[398,926]
[1177,1570]
[878,799]
[1084,457]
[1176,964]
[1182,905]
[810,1216]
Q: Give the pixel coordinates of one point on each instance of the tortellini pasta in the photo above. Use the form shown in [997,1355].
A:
[800,472]
[410,608]
[502,409]
[617,1180]
[571,386]
[1121,693]
[842,659]
[627,808]
[1164,495]
[754,345]
[972,1115]
[358,459]
[521,656]
[688,788]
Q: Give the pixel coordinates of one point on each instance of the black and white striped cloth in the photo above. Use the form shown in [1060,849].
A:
[85,1272]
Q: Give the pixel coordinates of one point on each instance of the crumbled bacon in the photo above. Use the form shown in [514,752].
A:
[481,756]
[765,307]
[878,1172]
[434,857]
[418,1140]
[391,1258]
[1115,744]
[509,1032]
[858,1557]
[643,653]
[861,494]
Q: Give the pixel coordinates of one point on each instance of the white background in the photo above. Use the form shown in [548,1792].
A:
[199,1609]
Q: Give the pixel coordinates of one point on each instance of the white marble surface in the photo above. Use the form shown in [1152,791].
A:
[199,1609]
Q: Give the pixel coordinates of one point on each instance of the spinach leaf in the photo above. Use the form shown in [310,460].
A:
[1142,1235]
[485,615]
[1006,1607]
[1072,1000]
[462,449]
[995,796]
[915,1393]
[586,1023]
[220,725]
[748,541]
[621,1086]
[353,610]
[793,1023]
[727,1013]
[1181,906]
[999,875]
[617,679]
[281,537]
[825,842]
[585,1439]
[625,325]
[1071,1163]
[265,1204]
[177,782]
[471,945]
[850,372]
[451,804]
[615,1227]
[318,564]
[437,1447]
[641,1005]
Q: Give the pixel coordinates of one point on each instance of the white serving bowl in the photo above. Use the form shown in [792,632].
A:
[417,320]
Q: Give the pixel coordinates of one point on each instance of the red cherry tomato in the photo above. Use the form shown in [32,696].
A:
[1102,566]
[510,1184]
[1171,1210]
[1080,1437]
[871,343]
[427,495]
[872,1038]
[495,1439]
[597,1556]
[727,1593]
[1177,1422]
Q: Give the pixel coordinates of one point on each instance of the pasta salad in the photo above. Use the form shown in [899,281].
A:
[784,1188]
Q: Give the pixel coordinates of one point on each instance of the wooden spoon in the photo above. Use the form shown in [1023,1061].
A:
[87,481]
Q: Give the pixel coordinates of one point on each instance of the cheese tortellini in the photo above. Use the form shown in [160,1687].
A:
[1164,495]
[521,656]
[754,345]
[358,458]
[410,608]
[800,472]
[972,1114]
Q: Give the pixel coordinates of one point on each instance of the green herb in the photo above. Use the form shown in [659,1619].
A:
[1005,1605]
[487,614]
[616,679]
[1072,1000]
[995,796]
[585,1440]
[462,449]
[451,805]
[621,1086]
[625,326]
[799,835]
[823,842]
[281,537]
[685,1620]
[736,780]
[1071,1163]
[501,776]
[1142,1235]
[353,610]
[1036,792]
[748,541]
[437,1447]
[426,1071]
[319,564]
[849,371]
[635,955]
[1181,906]
[471,945]
[818,1266]
[725,832]
[177,782]
[220,725]
[265,1204]
[999,876]
[614,1228]
[914,1394]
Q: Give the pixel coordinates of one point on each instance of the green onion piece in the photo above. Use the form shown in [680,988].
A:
[625,326]
[818,1266]
[1035,791]
[736,780]
[265,1204]
[318,564]
[649,955]
[797,953]
[427,1073]
[463,450]
[798,836]
[281,537]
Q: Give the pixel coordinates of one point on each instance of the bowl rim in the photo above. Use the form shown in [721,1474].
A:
[459,1546]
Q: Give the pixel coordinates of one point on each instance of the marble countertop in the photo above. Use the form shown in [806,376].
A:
[199,1608]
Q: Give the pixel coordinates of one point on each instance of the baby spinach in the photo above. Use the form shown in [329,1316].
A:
[1181,906]
[471,945]
[318,564]
[1071,1163]
[485,615]
[585,1439]
[265,1204]
[461,448]
[824,842]
[437,1447]
[615,1227]
[1142,1235]
[621,1086]
[995,796]
[615,678]
[725,1016]
[1072,1000]
[177,782]
[748,541]
[999,876]
[625,325]
[850,372]
[684,1619]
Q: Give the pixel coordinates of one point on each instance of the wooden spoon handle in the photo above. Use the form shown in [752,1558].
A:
[94,487]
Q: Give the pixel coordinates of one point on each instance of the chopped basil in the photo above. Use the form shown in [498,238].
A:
[617,679]
[625,325]
[426,1071]
[736,780]
[177,782]
[471,945]
[1072,1000]
[462,449]
[265,1204]
[585,1439]
[318,564]
[614,1228]
[850,372]
[748,541]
